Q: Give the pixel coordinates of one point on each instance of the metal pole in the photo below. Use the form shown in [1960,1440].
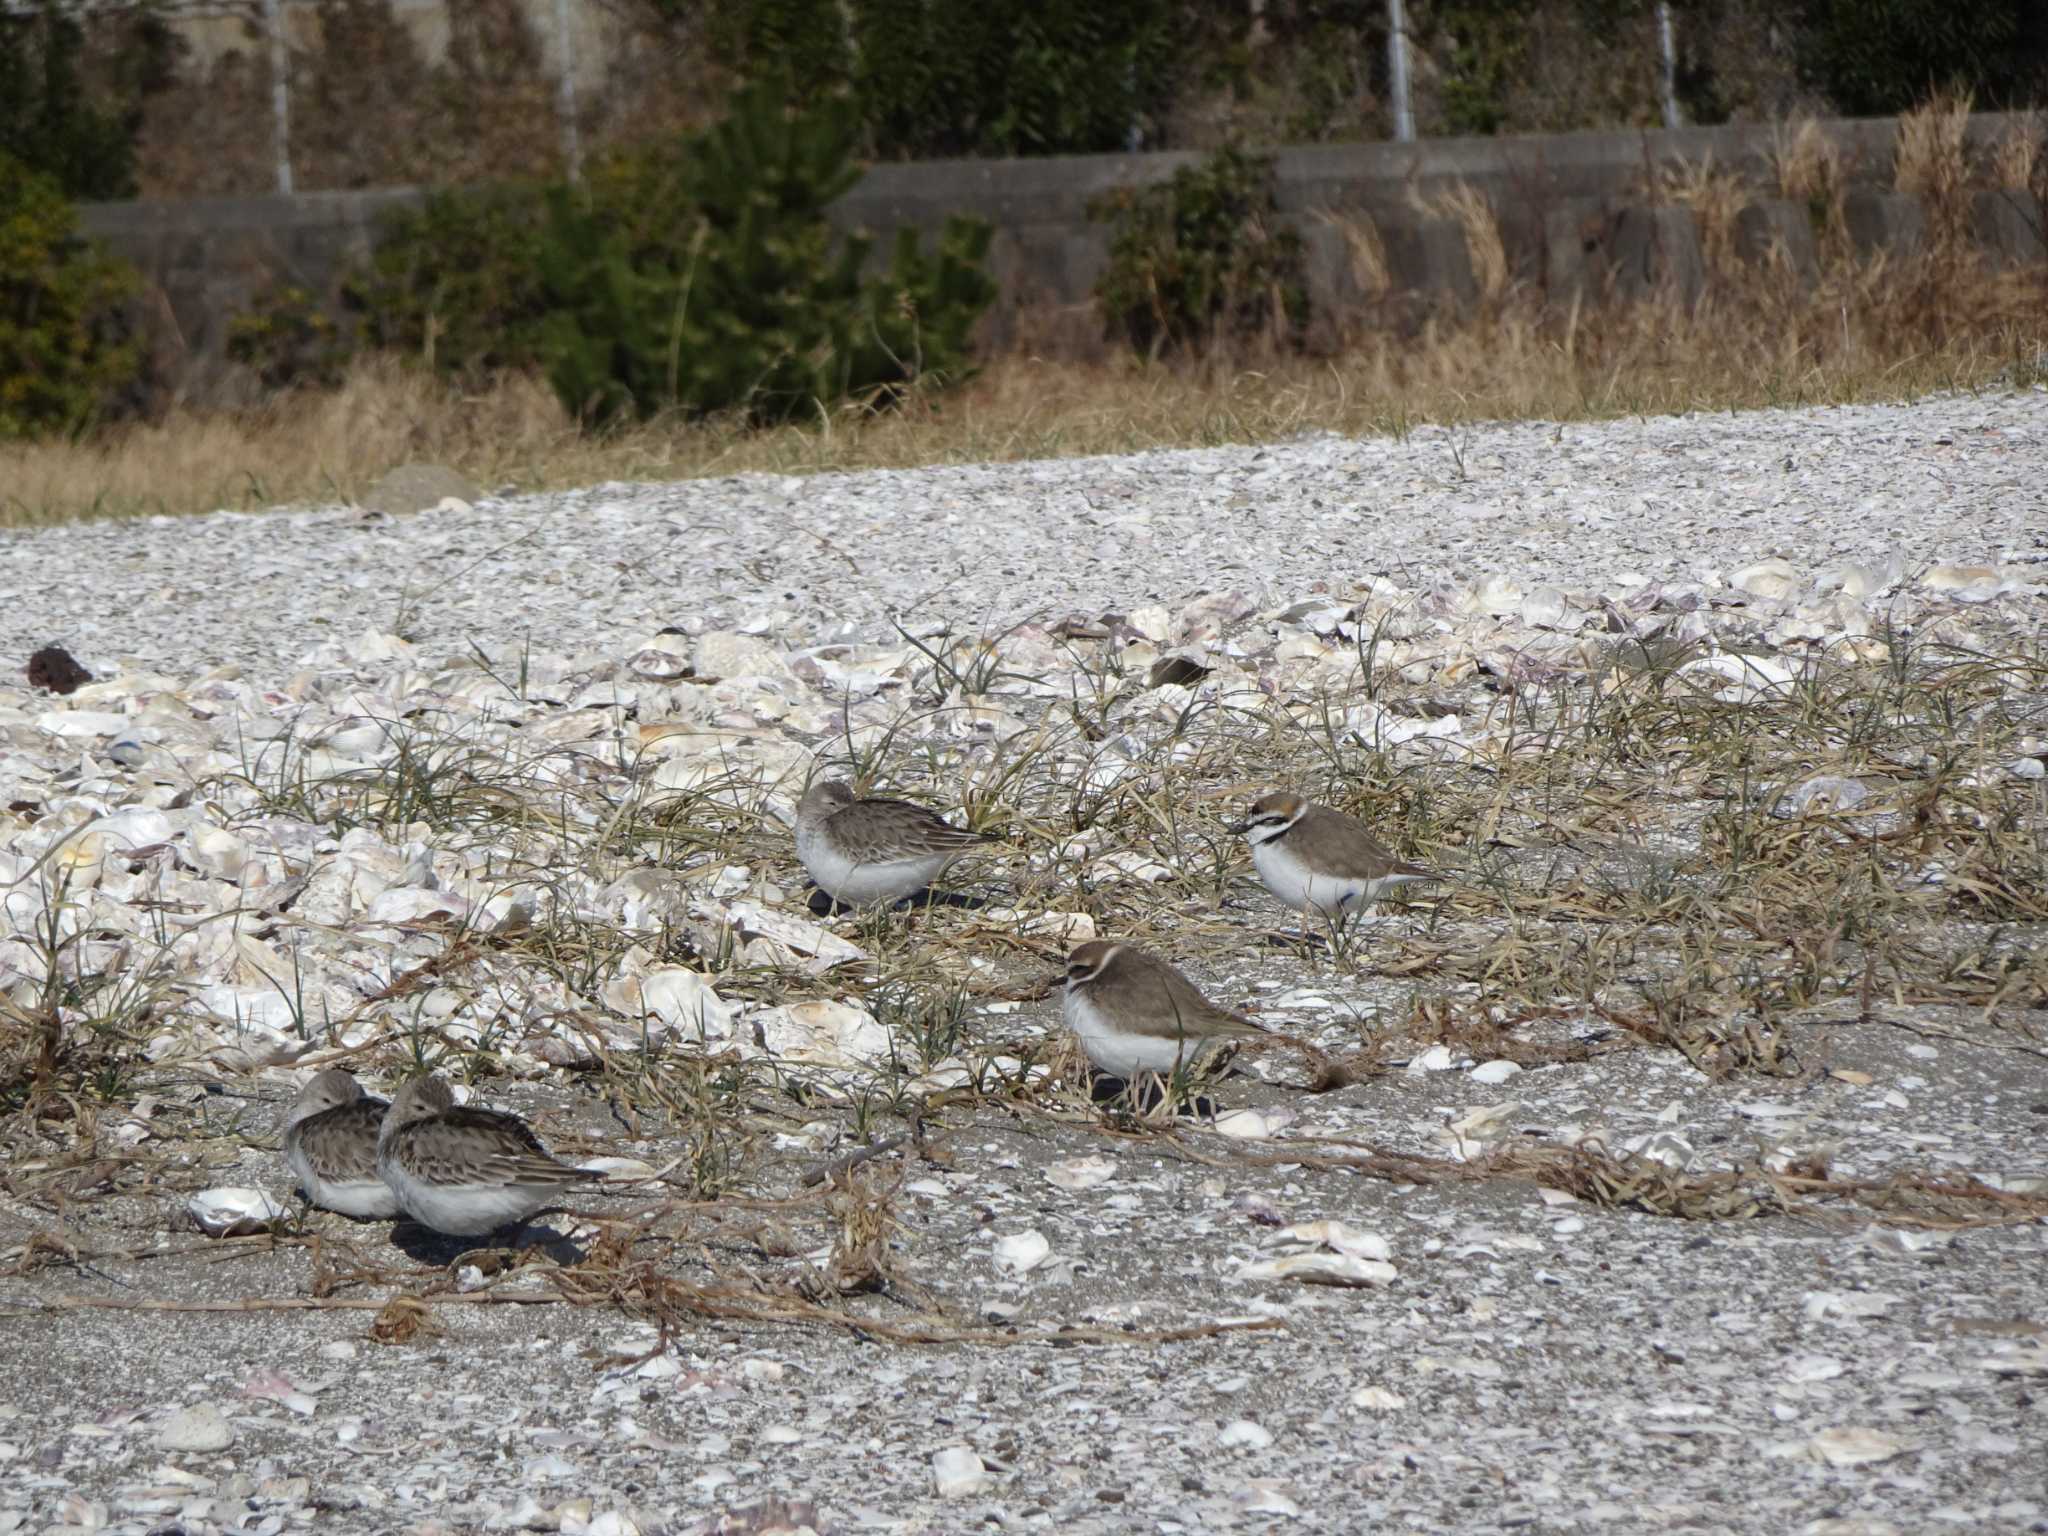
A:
[280,94]
[1397,72]
[1667,48]
[565,89]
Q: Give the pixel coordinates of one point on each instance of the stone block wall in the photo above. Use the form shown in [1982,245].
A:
[1586,216]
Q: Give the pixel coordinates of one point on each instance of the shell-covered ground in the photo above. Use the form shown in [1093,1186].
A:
[1693,1178]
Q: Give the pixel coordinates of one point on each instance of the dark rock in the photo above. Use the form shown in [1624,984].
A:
[56,670]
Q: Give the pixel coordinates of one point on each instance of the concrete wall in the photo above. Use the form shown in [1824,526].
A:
[1579,214]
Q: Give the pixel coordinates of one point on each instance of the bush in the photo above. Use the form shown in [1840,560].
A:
[1877,57]
[456,283]
[967,77]
[702,278]
[1202,259]
[65,352]
[289,339]
[70,103]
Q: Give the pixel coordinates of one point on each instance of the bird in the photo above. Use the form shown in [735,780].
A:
[1319,860]
[861,852]
[1134,1013]
[330,1145]
[463,1170]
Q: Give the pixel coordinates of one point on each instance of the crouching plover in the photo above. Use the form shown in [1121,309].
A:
[861,852]
[330,1145]
[463,1170]
[1134,1013]
[1319,860]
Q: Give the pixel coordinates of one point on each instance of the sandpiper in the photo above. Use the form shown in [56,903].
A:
[861,852]
[464,1170]
[330,1145]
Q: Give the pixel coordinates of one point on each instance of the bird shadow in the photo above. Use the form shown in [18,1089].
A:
[1144,1096]
[821,905]
[423,1245]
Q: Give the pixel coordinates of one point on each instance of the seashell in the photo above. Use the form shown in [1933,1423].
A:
[824,1034]
[218,852]
[663,658]
[1437,1058]
[721,654]
[232,1211]
[1774,579]
[1856,1447]
[782,939]
[1378,1400]
[415,904]
[1340,1269]
[1078,1173]
[1263,1496]
[1253,1124]
[1340,1236]
[1245,1433]
[1852,1304]
[1823,792]
[81,723]
[679,999]
[1663,1147]
[2017,1360]
[1494,1072]
[1956,578]
[1740,679]
[1806,1369]
[1022,1252]
[1549,608]
[1151,621]
[958,1473]
[1129,864]
[197,1429]
[1498,595]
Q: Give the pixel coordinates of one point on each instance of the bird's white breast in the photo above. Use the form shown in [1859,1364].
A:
[1121,1052]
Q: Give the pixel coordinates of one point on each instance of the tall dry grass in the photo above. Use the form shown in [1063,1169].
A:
[1761,333]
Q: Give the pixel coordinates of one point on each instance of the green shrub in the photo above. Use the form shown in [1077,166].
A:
[71,100]
[1202,259]
[703,278]
[966,77]
[65,349]
[1876,57]
[710,279]
[289,339]
[456,282]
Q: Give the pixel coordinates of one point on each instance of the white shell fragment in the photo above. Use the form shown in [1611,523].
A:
[1022,1252]
[1494,1072]
[199,1428]
[1341,1237]
[1856,1447]
[233,1212]
[1078,1173]
[1253,1124]
[1378,1400]
[1340,1269]
[957,1473]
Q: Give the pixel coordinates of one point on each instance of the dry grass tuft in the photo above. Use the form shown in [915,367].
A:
[2016,161]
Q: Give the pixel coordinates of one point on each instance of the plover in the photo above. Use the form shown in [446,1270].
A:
[1319,860]
[330,1145]
[1134,1013]
[861,852]
[463,1170]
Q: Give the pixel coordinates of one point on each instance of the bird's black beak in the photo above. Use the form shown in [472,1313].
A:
[1239,828]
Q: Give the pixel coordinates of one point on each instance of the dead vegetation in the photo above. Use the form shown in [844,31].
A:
[1767,327]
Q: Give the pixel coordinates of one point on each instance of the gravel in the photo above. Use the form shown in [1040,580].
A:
[1956,479]
[1516,1360]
